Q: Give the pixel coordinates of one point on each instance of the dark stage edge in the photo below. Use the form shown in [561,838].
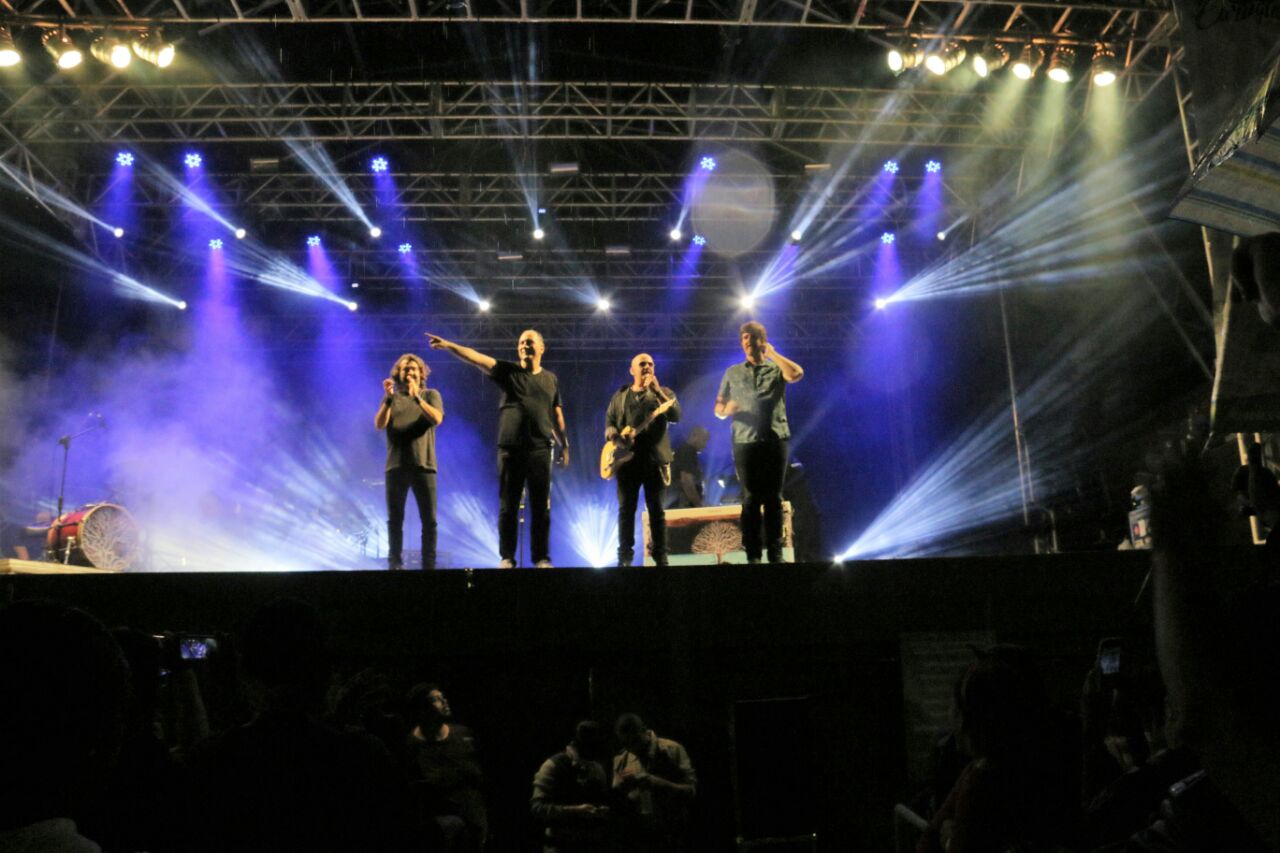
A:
[598,609]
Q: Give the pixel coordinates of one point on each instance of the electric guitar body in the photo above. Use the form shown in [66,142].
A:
[619,451]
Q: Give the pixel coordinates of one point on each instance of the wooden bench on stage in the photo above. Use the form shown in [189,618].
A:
[695,535]
[41,567]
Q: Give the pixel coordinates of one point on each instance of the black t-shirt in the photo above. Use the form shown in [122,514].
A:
[526,413]
[411,435]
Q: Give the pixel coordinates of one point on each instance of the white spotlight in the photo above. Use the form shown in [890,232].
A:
[951,56]
[351,306]
[1028,61]
[9,55]
[118,231]
[150,47]
[942,235]
[375,232]
[538,233]
[602,304]
[1104,66]
[109,50]
[62,49]
[182,306]
[881,303]
[747,302]
[484,305]
[241,233]
[797,235]
[676,234]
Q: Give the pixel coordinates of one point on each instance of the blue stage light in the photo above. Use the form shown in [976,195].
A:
[887,238]
[405,248]
[699,240]
[193,160]
[933,167]
[881,303]
[707,164]
[215,244]
[891,166]
[124,158]
[313,241]
[378,165]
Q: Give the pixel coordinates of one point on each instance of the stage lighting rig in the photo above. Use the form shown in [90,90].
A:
[951,56]
[152,48]
[699,240]
[796,235]
[1060,64]
[117,232]
[603,304]
[241,233]
[63,50]
[124,159]
[313,242]
[9,55]
[110,50]
[1105,68]
[538,233]
[675,234]
[1029,59]
[887,238]
[375,232]
[992,57]
[484,305]
[904,56]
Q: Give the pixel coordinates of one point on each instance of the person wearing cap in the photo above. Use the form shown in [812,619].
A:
[570,795]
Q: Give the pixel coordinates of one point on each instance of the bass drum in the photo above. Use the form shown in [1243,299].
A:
[103,536]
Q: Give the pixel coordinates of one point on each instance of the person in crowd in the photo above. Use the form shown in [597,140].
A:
[571,795]
[636,422]
[753,393]
[530,422]
[1018,787]
[409,415]
[445,771]
[656,784]
[1220,661]
[287,780]
[63,702]
[688,487]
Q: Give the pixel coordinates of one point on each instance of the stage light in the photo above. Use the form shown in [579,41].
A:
[933,167]
[351,306]
[378,165]
[675,234]
[699,240]
[62,49]
[1105,68]
[538,233]
[193,160]
[124,158]
[484,305]
[564,168]
[1060,64]
[118,232]
[313,241]
[404,248]
[602,304]
[942,235]
[992,57]
[9,55]
[355,285]
[890,166]
[215,244]
[241,233]
[904,56]
[182,305]
[1029,60]
[948,58]
[150,47]
[881,303]
[797,235]
[542,211]
[747,302]
[109,50]
[887,238]
[707,164]
[375,232]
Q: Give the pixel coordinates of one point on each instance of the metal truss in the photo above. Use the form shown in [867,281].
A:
[439,197]
[614,336]
[366,112]
[564,273]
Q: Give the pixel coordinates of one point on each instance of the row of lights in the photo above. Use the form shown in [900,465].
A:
[994,56]
[108,49]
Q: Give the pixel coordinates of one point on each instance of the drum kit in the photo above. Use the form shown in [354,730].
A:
[102,536]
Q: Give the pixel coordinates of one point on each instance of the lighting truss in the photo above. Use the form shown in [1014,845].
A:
[618,111]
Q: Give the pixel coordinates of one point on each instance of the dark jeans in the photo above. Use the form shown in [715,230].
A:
[761,467]
[636,473]
[423,483]
[518,466]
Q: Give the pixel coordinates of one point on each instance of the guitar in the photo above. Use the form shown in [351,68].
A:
[619,451]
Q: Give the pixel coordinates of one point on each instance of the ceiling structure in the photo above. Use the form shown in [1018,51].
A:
[473,100]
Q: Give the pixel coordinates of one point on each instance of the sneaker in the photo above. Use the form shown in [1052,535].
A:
[504,563]
[543,564]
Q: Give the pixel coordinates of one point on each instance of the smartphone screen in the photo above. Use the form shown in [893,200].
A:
[197,648]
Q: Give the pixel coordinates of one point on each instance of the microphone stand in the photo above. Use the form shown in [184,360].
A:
[65,441]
